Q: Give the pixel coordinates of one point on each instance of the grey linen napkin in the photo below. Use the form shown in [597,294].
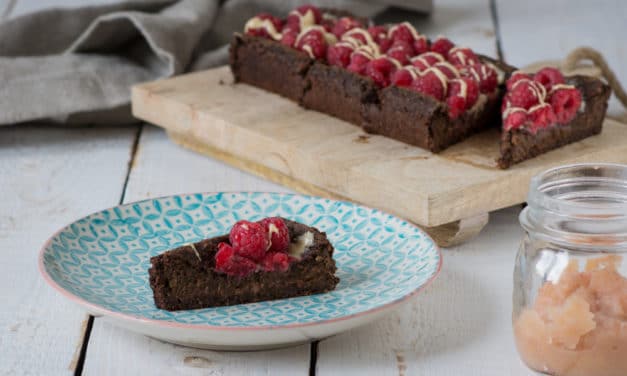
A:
[76,66]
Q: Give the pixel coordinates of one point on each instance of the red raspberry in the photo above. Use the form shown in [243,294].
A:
[565,103]
[278,234]
[344,24]
[249,239]
[339,55]
[313,43]
[358,63]
[515,120]
[379,70]
[276,261]
[421,45]
[289,37]
[293,19]
[403,32]
[517,76]
[542,116]
[261,31]
[485,75]
[429,84]
[401,78]
[229,263]
[424,61]
[401,51]
[356,33]
[447,69]
[462,56]
[442,46]
[549,77]
[380,36]
[462,95]
[524,94]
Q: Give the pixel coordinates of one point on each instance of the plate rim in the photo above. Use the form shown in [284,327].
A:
[169,324]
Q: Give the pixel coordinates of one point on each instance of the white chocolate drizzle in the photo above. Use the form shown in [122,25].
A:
[448,65]
[392,60]
[459,53]
[409,26]
[304,241]
[304,20]
[329,37]
[423,58]
[267,25]
[560,87]
[193,247]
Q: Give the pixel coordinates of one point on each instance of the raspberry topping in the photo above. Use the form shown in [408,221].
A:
[229,263]
[447,69]
[343,25]
[380,36]
[565,103]
[462,56]
[524,94]
[421,45]
[442,46]
[249,239]
[304,15]
[403,32]
[264,25]
[380,70]
[430,84]
[278,234]
[358,62]
[402,77]
[541,116]
[517,76]
[339,54]
[289,36]
[276,261]
[485,75]
[313,42]
[515,120]
[549,77]
[426,60]
[401,51]
[462,95]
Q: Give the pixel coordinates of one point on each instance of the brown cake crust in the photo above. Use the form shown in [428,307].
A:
[186,279]
[519,144]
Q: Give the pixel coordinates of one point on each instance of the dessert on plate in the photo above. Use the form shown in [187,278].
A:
[274,258]
[393,81]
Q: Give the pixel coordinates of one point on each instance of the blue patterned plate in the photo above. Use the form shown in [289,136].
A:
[101,262]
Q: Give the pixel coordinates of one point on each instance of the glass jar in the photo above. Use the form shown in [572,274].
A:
[570,285]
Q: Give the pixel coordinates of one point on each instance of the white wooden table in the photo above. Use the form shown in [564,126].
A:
[460,325]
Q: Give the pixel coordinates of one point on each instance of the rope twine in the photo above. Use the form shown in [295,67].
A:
[586,53]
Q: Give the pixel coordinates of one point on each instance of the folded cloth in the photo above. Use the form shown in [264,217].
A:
[76,66]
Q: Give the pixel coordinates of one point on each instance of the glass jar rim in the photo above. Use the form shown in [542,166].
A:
[562,195]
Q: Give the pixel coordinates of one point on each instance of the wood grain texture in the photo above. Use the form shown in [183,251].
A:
[163,168]
[49,177]
[562,25]
[255,125]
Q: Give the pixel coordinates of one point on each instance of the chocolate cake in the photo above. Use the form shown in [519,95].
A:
[391,80]
[189,277]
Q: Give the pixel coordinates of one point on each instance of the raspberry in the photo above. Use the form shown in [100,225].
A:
[429,84]
[343,25]
[462,95]
[462,56]
[379,70]
[541,116]
[402,77]
[442,46]
[249,239]
[313,43]
[276,261]
[524,94]
[289,37]
[294,19]
[485,75]
[549,77]
[426,60]
[421,45]
[515,120]
[358,63]
[262,31]
[339,55]
[403,32]
[278,234]
[517,76]
[401,51]
[565,103]
[229,263]
[447,69]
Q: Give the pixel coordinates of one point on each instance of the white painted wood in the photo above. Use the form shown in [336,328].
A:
[541,30]
[460,325]
[48,178]
[163,168]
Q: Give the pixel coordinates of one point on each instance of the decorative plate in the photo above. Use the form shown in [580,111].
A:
[101,262]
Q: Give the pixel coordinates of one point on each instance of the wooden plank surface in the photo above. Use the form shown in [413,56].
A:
[276,137]
[163,168]
[48,177]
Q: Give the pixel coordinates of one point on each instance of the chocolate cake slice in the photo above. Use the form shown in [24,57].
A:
[524,140]
[187,277]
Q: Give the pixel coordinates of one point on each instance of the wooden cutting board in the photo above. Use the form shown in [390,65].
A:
[449,193]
